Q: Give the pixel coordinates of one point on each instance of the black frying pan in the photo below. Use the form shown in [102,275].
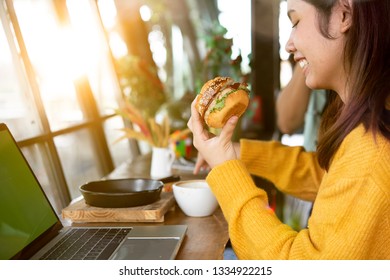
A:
[120,193]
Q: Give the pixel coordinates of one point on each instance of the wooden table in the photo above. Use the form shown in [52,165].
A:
[206,237]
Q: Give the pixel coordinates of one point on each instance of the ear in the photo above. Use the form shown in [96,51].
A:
[346,15]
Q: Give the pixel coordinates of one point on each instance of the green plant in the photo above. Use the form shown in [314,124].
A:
[148,129]
[218,60]
[140,84]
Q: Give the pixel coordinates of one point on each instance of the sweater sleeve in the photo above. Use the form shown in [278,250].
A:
[292,170]
[245,207]
[352,213]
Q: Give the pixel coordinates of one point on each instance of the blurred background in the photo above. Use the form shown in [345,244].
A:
[66,66]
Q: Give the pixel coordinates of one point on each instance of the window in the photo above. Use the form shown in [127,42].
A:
[58,92]
[60,79]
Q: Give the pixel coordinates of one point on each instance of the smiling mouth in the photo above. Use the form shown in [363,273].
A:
[303,63]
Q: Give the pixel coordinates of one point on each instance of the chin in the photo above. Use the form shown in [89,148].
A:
[313,84]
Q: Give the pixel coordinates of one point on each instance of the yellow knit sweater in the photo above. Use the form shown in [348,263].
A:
[351,213]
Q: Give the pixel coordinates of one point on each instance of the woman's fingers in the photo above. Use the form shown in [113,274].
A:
[200,164]
[212,150]
[195,124]
[228,130]
[200,135]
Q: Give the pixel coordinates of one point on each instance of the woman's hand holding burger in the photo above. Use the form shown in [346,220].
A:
[219,104]
[213,149]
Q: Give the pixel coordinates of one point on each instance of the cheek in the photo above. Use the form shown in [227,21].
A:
[307,41]
[327,62]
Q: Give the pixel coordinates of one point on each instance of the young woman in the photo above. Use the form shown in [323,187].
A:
[341,45]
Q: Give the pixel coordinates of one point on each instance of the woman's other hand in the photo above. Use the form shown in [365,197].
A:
[200,164]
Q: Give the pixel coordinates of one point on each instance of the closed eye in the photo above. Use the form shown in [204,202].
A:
[295,24]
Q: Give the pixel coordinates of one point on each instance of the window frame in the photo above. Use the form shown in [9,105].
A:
[93,121]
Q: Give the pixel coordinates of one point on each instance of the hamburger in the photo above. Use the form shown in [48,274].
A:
[221,98]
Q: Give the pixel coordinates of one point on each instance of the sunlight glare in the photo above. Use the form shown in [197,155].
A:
[63,61]
[146,13]
[118,46]
[108,13]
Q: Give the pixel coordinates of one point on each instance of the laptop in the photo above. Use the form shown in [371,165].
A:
[30,228]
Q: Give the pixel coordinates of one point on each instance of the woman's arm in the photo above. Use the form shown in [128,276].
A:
[302,174]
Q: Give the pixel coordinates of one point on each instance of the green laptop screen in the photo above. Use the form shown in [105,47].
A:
[25,212]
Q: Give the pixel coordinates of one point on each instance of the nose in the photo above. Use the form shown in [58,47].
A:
[290,47]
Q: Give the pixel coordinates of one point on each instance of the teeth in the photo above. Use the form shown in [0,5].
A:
[303,63]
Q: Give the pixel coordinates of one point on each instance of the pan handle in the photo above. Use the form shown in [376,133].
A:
[173,178]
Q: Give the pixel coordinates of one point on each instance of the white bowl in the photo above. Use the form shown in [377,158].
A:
[195,198]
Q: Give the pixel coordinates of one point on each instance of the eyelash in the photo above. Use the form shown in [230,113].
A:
[295,25]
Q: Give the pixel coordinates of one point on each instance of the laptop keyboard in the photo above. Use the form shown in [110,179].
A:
[87,244]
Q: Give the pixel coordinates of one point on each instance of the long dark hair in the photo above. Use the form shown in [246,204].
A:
[367,60]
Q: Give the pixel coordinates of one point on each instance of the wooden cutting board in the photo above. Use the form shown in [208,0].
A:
[82,212]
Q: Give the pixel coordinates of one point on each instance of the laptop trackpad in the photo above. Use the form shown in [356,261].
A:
[147,249]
